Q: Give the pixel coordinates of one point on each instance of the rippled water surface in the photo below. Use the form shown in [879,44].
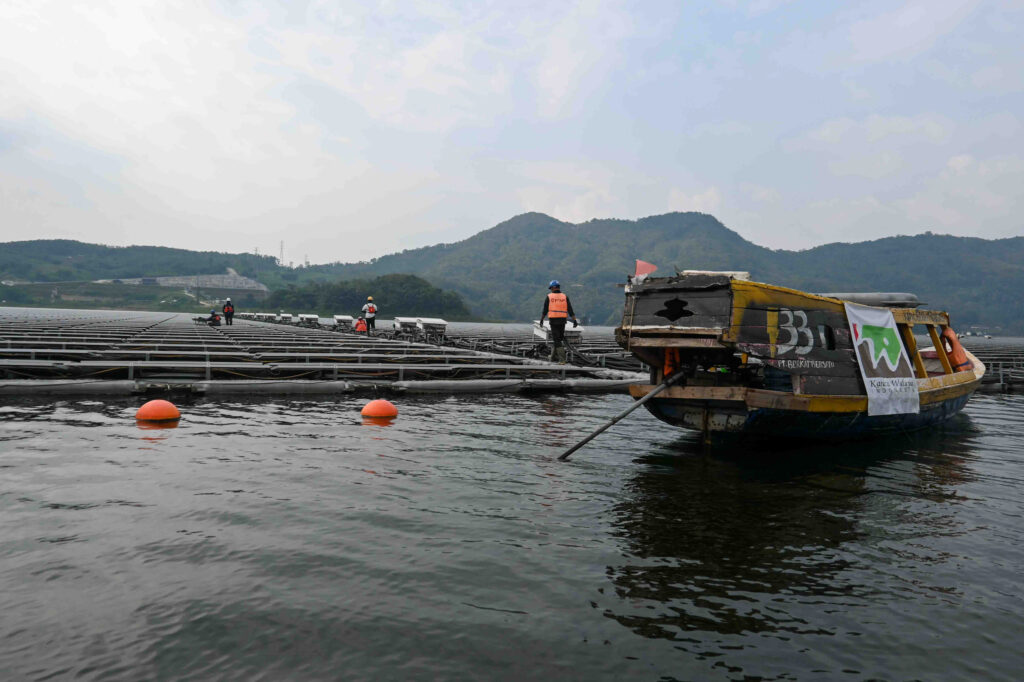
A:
[285,539]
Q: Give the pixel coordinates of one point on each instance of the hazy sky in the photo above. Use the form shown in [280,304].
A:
[351,130]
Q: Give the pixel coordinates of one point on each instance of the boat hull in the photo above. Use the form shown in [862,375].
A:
[757,359]
[718,418]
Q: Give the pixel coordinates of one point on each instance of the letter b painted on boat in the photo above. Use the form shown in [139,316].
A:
[794,324]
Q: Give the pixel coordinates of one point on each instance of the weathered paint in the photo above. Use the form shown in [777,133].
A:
[802,341]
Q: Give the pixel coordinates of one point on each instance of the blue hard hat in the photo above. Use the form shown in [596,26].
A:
[554,283]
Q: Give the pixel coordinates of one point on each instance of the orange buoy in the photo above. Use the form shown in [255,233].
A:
[156,426]
[158,411]
[379,421]
[380,408]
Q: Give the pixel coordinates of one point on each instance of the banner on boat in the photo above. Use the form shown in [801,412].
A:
[883,361]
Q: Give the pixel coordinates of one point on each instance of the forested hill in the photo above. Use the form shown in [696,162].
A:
[65,260]
[395,295]
[503,272]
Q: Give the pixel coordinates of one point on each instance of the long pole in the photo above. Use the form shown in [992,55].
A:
[658,389]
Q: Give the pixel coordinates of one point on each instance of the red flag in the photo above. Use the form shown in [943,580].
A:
[644,268]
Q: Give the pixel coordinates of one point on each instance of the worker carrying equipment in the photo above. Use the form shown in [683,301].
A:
[558,309]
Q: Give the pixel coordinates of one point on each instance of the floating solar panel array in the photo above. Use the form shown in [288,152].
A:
[153,349]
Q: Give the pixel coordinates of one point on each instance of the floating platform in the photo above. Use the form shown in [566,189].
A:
[79,352]
[1004,363]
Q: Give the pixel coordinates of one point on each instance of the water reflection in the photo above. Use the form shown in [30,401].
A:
[156,426]
[378,421]
[754,539]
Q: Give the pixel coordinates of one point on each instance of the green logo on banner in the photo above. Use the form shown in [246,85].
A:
[884,341]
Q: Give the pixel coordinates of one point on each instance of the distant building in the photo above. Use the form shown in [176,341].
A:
[226,281]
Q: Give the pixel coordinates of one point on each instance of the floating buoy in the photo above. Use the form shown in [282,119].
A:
[158,411]
[380,408]
[379,421]
[156,426]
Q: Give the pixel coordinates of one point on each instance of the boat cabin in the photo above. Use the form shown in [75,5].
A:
[738,346]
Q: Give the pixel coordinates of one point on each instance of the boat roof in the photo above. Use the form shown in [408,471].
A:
[885,299]
[732,274]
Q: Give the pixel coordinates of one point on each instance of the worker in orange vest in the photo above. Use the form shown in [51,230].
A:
[229,311]
[360,325]
[558,310]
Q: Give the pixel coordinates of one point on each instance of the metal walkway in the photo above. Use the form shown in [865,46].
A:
[152,350]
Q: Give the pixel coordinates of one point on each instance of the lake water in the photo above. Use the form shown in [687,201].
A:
[285,539]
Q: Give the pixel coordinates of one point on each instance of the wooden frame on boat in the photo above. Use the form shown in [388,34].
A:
[766,359]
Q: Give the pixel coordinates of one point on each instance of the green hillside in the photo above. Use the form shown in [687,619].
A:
[502,272]
[64,260]
[394,295]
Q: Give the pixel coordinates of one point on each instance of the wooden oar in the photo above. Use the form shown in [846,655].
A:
[658,389]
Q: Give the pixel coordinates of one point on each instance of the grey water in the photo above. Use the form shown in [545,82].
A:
[281,539]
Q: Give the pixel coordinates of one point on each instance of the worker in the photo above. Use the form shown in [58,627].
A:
[558,310]
[229,312]
[360,325]
[214,319]
[370,313]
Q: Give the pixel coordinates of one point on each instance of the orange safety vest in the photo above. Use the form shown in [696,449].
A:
[229,308]
[558,305]
[360,326]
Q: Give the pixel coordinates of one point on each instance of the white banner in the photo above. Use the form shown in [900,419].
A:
[884,363]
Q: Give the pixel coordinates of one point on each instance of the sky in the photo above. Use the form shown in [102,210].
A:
[350,130]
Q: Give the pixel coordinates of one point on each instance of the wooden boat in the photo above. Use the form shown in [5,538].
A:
[753,358]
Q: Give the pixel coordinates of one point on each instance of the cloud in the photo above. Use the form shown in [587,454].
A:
[568,191]
[707,201]
[900,129]
[910,29]
[874,147]
[970,193]
[351,129]
[577,43]
[766,195]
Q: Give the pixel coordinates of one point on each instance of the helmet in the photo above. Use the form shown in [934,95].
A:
[229,299]
[554,283]
[369,298]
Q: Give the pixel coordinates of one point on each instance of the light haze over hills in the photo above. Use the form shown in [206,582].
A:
[352,129]
[502,272]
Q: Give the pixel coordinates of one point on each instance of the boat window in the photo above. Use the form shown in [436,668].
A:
[827,337]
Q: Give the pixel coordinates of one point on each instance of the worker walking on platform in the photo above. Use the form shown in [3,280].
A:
[370,313]
[229,312]
[558,310]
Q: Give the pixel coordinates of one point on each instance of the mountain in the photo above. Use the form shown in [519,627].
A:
[503,272]
[65,260]
[401,295]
